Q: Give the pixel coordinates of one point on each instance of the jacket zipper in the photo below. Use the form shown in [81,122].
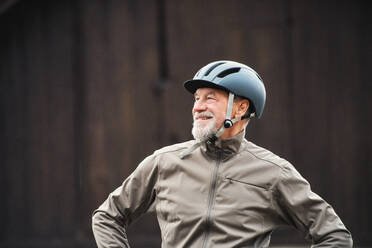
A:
[211,199]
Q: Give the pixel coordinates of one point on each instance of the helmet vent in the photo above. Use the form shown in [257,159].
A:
[212,67]
[228,72]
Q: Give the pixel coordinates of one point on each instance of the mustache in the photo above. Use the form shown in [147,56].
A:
[203,114]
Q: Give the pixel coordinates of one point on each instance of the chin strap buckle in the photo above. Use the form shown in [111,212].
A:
[228,123]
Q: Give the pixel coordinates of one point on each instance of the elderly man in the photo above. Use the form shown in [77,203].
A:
[219,190]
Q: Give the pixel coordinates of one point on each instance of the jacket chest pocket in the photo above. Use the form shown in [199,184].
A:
[243,197]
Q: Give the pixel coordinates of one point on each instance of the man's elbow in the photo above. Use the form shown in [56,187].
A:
[97,220]
[348,239]
[342,239]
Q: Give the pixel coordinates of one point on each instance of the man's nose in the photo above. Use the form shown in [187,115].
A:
[199,106]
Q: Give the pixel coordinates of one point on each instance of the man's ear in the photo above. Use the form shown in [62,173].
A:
[242,108]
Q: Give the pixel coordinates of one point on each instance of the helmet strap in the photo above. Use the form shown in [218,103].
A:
[228,121]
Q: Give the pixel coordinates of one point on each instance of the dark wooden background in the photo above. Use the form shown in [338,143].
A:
[89,88]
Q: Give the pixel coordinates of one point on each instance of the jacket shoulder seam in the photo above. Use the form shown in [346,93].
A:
[266,160]
[172,148]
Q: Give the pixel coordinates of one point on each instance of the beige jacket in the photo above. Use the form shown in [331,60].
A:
[232,194]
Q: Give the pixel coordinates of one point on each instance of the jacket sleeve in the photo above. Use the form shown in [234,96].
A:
[308,212]
[125,204]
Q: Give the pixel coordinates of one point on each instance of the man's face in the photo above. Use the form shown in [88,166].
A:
[209,112]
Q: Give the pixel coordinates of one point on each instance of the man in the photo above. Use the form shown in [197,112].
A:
[219,190]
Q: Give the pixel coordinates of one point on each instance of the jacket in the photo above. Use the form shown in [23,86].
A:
[229,194]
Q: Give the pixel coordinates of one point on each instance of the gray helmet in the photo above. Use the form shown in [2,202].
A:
[233,77]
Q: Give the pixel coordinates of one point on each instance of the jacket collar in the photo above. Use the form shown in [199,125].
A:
[225,148]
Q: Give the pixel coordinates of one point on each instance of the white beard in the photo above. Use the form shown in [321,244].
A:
[200,132]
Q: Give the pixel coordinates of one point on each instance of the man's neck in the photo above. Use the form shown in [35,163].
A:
[234,130]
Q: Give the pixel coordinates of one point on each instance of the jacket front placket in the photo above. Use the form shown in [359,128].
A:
[211,198]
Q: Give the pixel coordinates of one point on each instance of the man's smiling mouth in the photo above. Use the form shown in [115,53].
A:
[203,118]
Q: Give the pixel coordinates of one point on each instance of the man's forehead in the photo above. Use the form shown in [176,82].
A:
[209,91]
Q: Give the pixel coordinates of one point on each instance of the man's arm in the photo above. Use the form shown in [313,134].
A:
[108,232]
[309,213]
[125,204]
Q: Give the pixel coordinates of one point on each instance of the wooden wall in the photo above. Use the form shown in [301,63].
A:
[89,88]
